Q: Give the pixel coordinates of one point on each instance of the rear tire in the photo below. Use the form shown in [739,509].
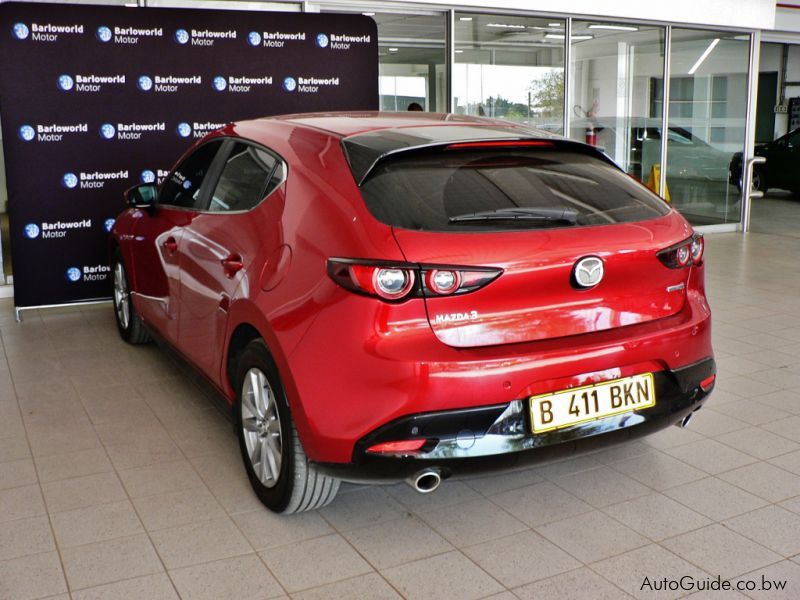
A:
[129,323]
[276,464]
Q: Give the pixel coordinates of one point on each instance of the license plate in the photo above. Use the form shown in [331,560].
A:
[566,408]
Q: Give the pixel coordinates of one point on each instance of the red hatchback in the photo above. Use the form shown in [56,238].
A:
[406,296]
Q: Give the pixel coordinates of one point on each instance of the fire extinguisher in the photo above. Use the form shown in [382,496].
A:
[591,135]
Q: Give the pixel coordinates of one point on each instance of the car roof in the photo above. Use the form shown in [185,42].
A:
[346,124]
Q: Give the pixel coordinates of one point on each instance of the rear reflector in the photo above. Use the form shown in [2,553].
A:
[499,144]
[401,447]
[708,383]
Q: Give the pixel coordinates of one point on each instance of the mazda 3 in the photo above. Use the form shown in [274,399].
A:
[380,297]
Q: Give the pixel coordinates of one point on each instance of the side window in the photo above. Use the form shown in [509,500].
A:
[182,189]
[248,176]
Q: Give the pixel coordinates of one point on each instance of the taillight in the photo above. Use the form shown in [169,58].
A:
[398,281]
[685,253]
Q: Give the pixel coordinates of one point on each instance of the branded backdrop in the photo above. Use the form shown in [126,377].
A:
[96,99]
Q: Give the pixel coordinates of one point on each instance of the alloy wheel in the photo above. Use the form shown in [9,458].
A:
[121,296]
[261,427]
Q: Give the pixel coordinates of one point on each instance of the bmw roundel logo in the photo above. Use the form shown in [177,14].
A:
[21,31]
[104,34]
[73,274]
[26,133]
[107,131]
[322,40]
[108,224]
[65,82]
[184,130]
[182,36]
[69,180]
[588,271]
[145,83]
[290,84]
[254,38]
[147,176]
[219,83]
[31,231]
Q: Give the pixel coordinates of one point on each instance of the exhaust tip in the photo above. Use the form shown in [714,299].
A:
[685,421]
[426,481]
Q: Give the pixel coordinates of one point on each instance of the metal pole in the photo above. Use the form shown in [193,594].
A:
[662,182]
[750,128]
[451,59]
[567,74]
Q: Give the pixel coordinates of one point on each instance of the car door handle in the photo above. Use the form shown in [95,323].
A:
[170,245]
[232,265]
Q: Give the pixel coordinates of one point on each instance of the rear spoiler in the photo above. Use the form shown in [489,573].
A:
[364,151]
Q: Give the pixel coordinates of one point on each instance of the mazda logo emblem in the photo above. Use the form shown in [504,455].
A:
[588,272]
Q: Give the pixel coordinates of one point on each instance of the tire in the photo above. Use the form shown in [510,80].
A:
[129,323]
[279,470]
[759,182]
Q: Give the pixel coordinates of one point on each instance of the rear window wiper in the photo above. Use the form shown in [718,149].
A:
[564,215]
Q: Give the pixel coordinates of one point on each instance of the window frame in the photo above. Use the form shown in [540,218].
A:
[211,174]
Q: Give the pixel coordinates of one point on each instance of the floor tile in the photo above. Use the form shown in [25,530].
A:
[521,558]
[72,464]
[592,536]
[449,493]
[758,442]
[765,480]
[112,560]
[95,524]
[199,543]
[371,586]
[239,577]
[24,537]
[491,485]
[450,575]
[396,542]
[784,575]
[314,562]
[638,571]
[30,577]
[656,516]
[541,503]
[17,473]
[360,508]
[720,551]
[151,587]
[603,486]
[160,478]
[472,522]
[79,492]
[658,470]
[171,509]
[265,529]
[711,456]
[580,584]
[772,526]
[21,502]
[788,427]
[715,498]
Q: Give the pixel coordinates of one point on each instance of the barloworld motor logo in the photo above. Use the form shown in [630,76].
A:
[322,40]
[145,83]
[66,82]
[220,83]
[27,133]
[69,181]
[147,176]
[182,36]
[21,31]
[108,224]
[73,274]
[290,84]
[104,34]
[254,38]
[31,231]
[184,130]
[107,131]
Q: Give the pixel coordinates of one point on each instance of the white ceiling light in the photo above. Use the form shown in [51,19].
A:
[393,49]
[465,18]
[560,36]
[506,25]
[555,24]
[704,56]
[368,14]
[459,52]
[614,27]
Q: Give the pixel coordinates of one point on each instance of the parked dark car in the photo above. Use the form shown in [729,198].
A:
[782,169]
[380,297]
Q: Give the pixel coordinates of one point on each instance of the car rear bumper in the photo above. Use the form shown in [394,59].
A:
[499,437]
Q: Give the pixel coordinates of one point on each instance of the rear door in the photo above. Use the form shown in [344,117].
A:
[539,214]
[158,236]
[225,246]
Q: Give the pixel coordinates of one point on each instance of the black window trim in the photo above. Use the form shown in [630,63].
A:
[212,173]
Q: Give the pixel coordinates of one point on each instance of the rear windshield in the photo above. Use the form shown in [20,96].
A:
[463,190]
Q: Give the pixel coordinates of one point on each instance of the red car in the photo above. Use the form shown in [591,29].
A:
[406,296]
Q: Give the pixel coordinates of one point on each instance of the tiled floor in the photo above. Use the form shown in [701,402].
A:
[119,480]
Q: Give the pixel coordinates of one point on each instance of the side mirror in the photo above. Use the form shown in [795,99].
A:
[141,196]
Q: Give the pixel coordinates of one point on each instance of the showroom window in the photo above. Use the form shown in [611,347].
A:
[510,67]
[612,67]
